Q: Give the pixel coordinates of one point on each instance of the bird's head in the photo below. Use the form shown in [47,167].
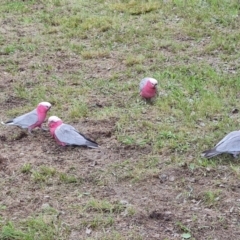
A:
[153,82]
[54,121]
[44,106]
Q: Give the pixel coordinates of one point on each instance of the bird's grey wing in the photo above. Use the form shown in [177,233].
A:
[232,144]
[69,135]
[143,83]
[25,120]
[228,137]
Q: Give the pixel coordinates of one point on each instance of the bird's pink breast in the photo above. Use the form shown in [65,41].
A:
[52,127]
[148,92]
[42,113]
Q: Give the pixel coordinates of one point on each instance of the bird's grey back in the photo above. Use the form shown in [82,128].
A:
[25,120]
[230,143]
[69,135]
[143,82]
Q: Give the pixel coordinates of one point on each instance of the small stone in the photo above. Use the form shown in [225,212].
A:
[168,213]
[163,178]
[231,209]
[172,179]
[45,206]
[124,202]
[88,231]
[192,180]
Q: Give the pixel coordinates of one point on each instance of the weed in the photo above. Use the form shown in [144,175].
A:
[103,206]
[43,174]
[184,228]
[94,54]
[65,178]
[26,168]
[99,221]
[211,197]
[3,207]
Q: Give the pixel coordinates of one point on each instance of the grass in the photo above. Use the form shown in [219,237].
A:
[103,206]
[211,197]
[87,58]
[43,174]
[36,227]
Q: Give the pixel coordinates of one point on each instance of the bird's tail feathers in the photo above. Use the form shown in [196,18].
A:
[91,144]
[7,123]
[210,153]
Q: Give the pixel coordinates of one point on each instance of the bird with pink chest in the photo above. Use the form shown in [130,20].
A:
[67,135]
[148,88]
[32,119]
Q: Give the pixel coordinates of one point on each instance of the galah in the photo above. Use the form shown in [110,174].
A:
[229,144]
[148,88]
[66,134]
[33,119]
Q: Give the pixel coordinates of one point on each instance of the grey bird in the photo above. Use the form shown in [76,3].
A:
[148,88]
[32,119]
[66,134]
[229,144]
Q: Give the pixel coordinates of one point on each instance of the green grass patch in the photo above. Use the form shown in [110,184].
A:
[41,227]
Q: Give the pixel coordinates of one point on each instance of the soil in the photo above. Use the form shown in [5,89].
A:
[166,204]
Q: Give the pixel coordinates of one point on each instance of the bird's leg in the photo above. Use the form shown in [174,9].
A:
[149,101]
[30,131]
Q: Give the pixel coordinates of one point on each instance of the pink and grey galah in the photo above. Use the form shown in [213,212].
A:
[229,144]
[33,119]
[66,134]
[148,88]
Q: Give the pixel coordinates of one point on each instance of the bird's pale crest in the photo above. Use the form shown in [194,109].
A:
[53,119]
[46,104]
[153,81]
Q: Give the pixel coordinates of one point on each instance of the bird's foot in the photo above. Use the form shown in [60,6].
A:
[44,129]
[30,131]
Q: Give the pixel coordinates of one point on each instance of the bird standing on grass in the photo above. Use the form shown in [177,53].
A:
[148,88]
[229,144]
[66,134]
[33,119]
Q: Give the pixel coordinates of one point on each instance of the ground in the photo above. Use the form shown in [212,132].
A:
[147,179]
